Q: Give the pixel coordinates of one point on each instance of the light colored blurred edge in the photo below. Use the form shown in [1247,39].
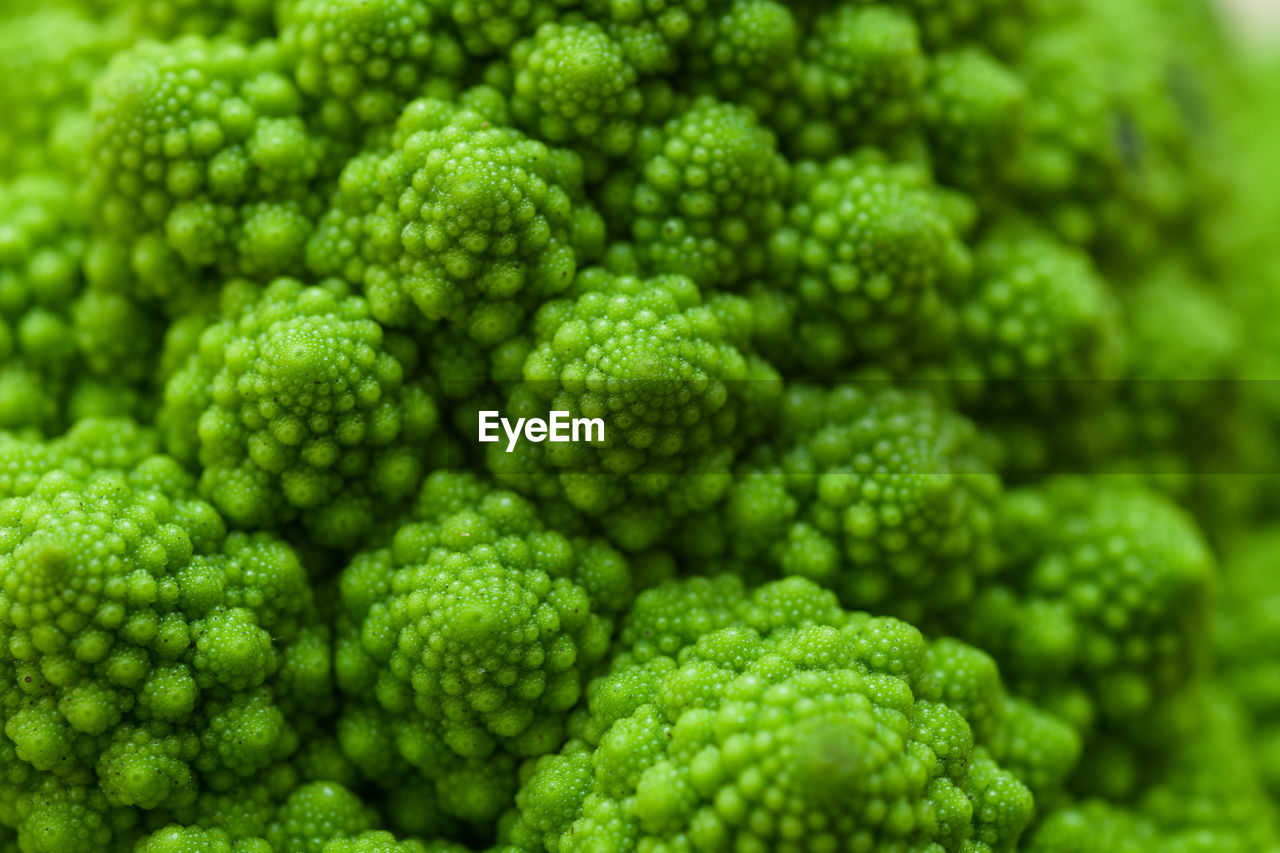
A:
[1257,21]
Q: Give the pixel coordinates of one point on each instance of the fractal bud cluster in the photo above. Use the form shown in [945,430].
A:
[929,359]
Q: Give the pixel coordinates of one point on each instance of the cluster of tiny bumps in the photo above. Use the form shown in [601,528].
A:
[932,339]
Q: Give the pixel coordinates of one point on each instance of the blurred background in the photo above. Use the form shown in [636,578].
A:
[1258,20]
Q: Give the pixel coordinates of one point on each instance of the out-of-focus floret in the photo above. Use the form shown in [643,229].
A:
[703,195]
[885,497]
[66,352]
[200,159]
[1039,329]
[365,60]
[1101,608]
[868,252]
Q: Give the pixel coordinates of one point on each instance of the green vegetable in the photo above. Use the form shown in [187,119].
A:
[460,219]
[464,642]
[782,720]
[297,402]
[924,354]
